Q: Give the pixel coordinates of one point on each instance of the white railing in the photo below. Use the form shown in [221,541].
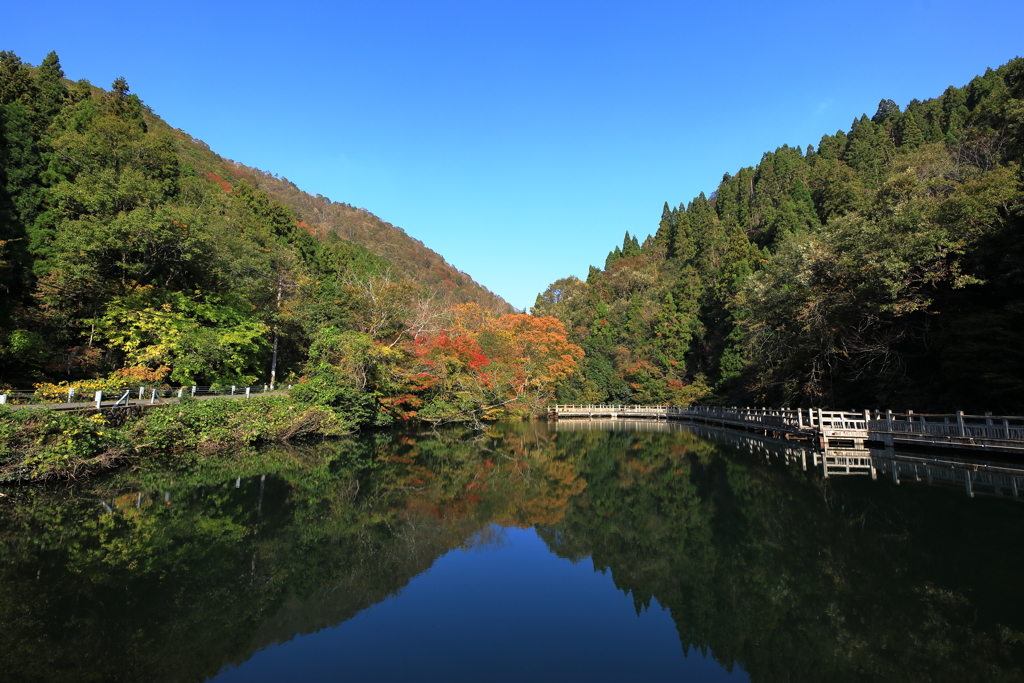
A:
[793,419]
[128,395]
[1004,427]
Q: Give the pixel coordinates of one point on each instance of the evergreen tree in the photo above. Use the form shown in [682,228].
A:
[954,113]
[630,246]
[668,232]
[909,133]
[887,109]
[613,256]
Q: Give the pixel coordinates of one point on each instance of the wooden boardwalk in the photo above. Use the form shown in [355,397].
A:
[831,428]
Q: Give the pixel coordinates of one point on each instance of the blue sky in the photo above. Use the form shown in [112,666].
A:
[520,140]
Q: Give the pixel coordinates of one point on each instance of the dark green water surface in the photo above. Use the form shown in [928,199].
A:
[528,552]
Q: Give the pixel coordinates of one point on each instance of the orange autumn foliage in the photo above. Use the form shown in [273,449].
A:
[483,365]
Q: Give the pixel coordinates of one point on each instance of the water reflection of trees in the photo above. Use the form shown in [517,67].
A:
[173,575]
[796,577]
[792,576]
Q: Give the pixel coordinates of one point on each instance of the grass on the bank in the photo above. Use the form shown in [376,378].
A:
[40,445]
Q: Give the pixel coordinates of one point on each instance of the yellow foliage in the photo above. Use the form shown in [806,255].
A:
[85,388]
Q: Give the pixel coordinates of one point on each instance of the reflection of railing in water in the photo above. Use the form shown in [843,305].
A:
[973,476]
[993,433]
[788,423]
[615,426]
[767,448]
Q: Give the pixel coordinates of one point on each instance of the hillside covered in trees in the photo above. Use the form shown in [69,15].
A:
[882,268]
[130,253]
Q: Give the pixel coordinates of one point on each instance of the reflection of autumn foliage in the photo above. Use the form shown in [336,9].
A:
[548,499]
[514,475]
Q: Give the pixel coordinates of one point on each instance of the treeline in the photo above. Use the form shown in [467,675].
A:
[131,251]
[883,268]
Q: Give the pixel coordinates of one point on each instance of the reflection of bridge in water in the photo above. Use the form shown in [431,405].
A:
[973,476]
[988,433]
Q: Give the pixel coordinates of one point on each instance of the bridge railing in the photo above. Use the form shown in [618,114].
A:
[1009,427]
[768,417]
[785,418]
[605,408]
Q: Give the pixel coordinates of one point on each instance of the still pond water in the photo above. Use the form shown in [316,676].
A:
[530,552]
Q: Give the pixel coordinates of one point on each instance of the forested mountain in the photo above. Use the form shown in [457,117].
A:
[884,268]
[130,253]
[407,257]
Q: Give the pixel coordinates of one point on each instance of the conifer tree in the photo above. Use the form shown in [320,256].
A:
[909,132]
[630,246]
[954,113]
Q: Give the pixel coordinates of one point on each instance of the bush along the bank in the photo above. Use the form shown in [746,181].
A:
[218,424]
[36,445]
[41,445]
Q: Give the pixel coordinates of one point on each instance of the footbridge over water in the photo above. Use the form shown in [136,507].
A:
[831,428]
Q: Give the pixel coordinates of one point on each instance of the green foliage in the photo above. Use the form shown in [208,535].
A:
[212,340]
[217,424]
[41,444]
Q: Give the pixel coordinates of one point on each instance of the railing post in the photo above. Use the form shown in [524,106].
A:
[232,389]
[142,392]
[800,423]
[888,419]
[99,399]
[960,422]
[247,392]
[3,399]
[181,390]
[71,394]
[193,389]
[152,396]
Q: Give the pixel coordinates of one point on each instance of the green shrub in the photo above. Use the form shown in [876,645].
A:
[42,444]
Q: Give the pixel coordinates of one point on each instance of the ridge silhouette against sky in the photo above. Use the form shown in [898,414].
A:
[519,140]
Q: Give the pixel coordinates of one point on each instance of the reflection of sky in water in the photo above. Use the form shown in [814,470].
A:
[508,610]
